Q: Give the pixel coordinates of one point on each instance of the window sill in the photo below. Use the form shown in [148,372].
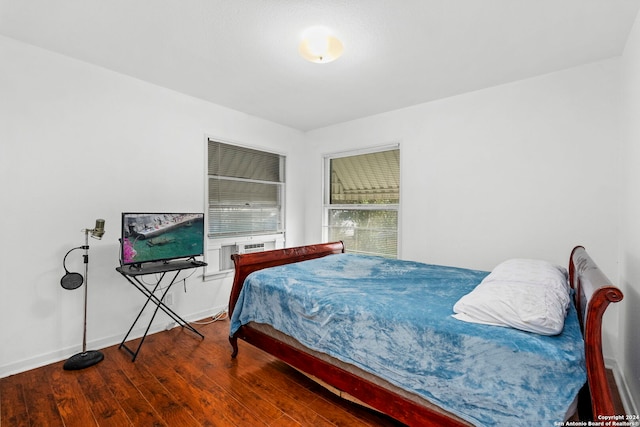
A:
[217,275]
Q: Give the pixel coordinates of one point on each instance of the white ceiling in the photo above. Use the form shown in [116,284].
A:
[242,54]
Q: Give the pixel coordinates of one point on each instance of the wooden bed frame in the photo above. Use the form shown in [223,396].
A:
[593,294]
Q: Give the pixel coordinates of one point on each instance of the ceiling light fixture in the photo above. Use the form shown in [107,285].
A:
[319,45]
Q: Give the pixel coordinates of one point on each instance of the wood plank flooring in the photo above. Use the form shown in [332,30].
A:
[181,380]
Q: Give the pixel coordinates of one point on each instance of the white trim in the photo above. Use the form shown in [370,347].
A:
[228,141]
[326,206]
[214,243]
[205,198]
[630,405]
[99,344]
[217,275]
[399,238]
[360,151]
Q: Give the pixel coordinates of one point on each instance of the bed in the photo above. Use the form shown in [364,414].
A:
[503,379]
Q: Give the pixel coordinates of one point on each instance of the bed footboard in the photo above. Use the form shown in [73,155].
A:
[593,294]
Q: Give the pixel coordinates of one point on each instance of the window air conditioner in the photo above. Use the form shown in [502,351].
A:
[226,263]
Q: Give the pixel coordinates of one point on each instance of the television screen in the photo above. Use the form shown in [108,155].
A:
[149,237]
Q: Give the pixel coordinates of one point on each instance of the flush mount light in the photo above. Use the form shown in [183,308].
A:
[320,45]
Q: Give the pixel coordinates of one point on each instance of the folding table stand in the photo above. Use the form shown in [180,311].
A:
[133,275]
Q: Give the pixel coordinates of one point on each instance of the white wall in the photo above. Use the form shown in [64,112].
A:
[78,142]
[629,345]
[500,172]
[527,169]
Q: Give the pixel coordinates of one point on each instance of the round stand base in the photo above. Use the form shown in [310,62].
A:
[83,360]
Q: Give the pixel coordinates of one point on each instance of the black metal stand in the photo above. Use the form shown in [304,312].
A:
[83,360]
[132,275]
[86,358]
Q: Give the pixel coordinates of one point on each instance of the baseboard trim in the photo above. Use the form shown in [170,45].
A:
[630,405]
[63,354]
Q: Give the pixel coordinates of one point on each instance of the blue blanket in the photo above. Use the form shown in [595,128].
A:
[393,318]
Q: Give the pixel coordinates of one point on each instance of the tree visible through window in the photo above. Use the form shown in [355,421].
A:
[362,197]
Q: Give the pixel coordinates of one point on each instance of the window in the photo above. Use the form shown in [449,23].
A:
[245,201]
[362,196]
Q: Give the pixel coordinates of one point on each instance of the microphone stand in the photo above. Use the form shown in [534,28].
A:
[92,357]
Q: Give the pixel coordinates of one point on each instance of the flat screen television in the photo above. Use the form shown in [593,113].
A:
[157,237]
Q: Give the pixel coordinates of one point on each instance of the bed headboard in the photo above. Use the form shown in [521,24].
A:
[593,293]
[248,263]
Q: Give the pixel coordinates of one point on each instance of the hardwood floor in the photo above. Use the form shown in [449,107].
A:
[181,380]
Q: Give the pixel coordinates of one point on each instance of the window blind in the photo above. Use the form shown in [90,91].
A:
[246,189]
[361,201]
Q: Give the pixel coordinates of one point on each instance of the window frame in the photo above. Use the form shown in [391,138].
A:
[214,244]
[327,206]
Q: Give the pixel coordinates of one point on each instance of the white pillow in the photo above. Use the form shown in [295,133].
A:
[531,295]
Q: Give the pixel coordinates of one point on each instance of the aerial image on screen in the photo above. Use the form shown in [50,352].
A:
[148,237]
